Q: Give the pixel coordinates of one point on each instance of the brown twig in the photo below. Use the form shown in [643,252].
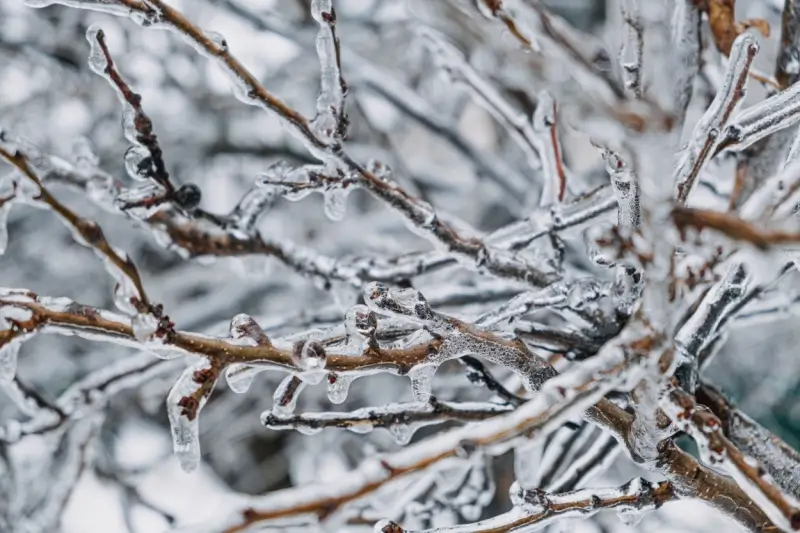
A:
[707,429]
[417,212]
[732,227]
[90,231]
[141,122]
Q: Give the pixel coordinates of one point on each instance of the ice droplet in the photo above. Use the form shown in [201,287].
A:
[421,382]
[97,59]
[144,326]
[360,321]
[309,355]
[243,328]
[183,409]
[138,163]
[335,203]
[240,376]
[124,292]
[283,400]
[217,39]
[8,359]
[338,386]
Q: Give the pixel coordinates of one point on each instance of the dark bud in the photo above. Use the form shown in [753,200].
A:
[187,196]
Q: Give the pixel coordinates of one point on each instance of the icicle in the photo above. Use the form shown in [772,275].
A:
[338,386]
[97,59]
[421,382]
[361,325]
[630,55]
[626,188]
[184,403]
[335,203]
[240,376]
[284,400]
[259,198]
[330,121]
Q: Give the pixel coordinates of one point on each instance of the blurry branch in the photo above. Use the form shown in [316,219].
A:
[419,214]
[724,27]
[785,73]
[91,235]
[540,509]
[90,394]
[732,227]
[569,40]
[379,81]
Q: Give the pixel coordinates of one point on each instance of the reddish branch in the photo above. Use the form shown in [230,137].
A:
[731,226]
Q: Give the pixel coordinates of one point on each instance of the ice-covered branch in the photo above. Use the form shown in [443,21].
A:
[129,295]
[706,429]
[735,228]
[762,119]
[331,119]
[139,129]
[536,509]
[632,50]
[419,214]
[685,40]
[400,419]
[708,132]
[777,457]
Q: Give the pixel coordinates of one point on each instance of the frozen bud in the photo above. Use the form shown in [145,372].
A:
[360,320]
[309,355]
[187,196]
[244,327]
[399,302]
